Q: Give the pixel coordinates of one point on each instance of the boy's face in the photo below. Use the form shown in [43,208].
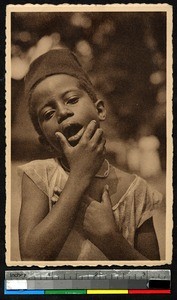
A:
[61,105]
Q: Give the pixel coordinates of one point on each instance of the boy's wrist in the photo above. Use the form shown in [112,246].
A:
[80,179]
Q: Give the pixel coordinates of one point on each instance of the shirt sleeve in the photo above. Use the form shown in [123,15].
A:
[36,171]
[146,200]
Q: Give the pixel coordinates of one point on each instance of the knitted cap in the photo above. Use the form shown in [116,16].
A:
[56,61]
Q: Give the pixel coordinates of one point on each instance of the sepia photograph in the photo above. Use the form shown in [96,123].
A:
[89,135]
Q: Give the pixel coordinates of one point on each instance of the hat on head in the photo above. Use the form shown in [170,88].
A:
[56,61]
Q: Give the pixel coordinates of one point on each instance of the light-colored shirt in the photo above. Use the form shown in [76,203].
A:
[131,211]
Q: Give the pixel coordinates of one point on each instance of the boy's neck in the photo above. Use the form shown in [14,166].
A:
[102,173]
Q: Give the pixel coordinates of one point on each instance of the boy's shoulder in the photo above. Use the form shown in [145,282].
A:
[137,186]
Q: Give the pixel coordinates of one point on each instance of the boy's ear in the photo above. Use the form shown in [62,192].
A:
[101,109]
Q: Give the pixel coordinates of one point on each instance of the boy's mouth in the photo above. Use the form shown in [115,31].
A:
[73,133]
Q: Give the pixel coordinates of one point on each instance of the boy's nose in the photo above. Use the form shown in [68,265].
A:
[64,113]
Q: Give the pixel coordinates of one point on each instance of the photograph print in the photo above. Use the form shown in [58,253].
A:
[89,135]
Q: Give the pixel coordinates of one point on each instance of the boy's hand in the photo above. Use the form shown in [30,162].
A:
[86,158]
[99,223]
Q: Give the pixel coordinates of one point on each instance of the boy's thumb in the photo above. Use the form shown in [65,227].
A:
[63,141]
[105,196]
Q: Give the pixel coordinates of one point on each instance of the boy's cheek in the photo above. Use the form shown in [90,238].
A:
[86,114]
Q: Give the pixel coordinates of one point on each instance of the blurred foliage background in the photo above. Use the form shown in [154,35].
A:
[125,56]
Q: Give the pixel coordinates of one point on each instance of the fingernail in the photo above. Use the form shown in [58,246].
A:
[57,134]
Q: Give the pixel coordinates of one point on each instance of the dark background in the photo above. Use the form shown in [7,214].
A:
[2,70]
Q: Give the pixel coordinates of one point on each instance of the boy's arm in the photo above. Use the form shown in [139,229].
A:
[146,245]
[101,229]
[43,233]
[146,240]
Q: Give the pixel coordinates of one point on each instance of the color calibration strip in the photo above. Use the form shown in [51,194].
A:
[89,281]
[83,292]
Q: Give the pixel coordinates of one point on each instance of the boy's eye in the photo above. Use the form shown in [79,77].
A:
[48,114]
[73,100]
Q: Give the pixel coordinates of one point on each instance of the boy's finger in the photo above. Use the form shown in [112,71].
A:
[98,136]
[91,127]
[63,142]
[100,146]
[105,196]
[101,143]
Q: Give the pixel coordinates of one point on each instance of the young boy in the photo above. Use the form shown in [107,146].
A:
[100,212]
